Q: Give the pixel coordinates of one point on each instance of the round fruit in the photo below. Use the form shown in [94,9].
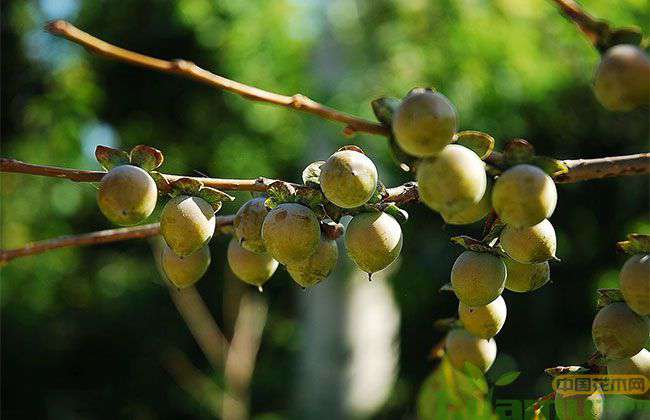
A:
[524,196]
[424,123]
[579,406]
[248,224]
[526,277]
[483,321]
[473,213]
[478,278]
[453,181]
[250,267]
[291,233]
[529,245]
[348,179]
[187,223]
[462,348]
[639,364]
[635,283]
[127,195]
[373,240]
[185,271]
[618,332]
[623,78]
[316,267]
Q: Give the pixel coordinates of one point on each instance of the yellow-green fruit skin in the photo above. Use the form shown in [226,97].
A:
[453,181]
[524,278]
[187,223]
[185,271]
[478,278]
[248,225]
[618,332]
[524,195]
[529,245]
[473,213]
[424,123]
[463,347]
[579,406]
[250,267]
[639,364]
[127,195]
[623,78]
[635,283]
[373,240]
[317,266]
[483,321]
[348,179]
[291,233]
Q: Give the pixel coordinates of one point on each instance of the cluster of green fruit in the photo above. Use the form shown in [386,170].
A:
[622,81]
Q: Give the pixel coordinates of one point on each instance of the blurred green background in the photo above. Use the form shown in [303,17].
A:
[84,330]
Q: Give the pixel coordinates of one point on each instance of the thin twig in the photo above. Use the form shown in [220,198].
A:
[607,167]
[591,27]
[192,71]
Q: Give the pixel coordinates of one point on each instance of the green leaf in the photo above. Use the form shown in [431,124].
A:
[384,108]
[607,296]
[475,245]
[109,157]
[480,143]
[282,192]
[518,151]
[270,203]
[507,378]
[214,197]
[551,166]
[146,157]
[636,244]
[399,214]
[380,193]
[309,197]
[163,185]
[185,186]
[311,174]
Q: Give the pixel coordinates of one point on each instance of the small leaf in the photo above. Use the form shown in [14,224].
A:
[270,203]
[447,287]
[161,182]
[507,378]
[518,151]
[185,186]
[401,158]
[399,214]
[379,195]
[480,143]
[214,197]
[309,197]
[384,108]
[475,245]
[636,244]
[333,211]
[146,157]
[282,192]
[351,147]
[311,174]
[607,296]
[109,157]
[552,167]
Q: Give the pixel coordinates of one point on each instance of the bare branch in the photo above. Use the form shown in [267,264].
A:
[591,27]
[192,71]
[608,167]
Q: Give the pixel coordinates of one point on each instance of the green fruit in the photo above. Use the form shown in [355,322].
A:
[623,78]
[316,267]
[248,225]
[127,195]
[373,240]
[529,245]
[524,195]
[291,233]
[526,277]
[348,179]
[473,213]
[618,332]
[185,271]
[478,278]
[187,223]
[579,406]
[250,267]
[424,123]
[483,321]
[462,348]
[639,364]
[635,283]
[453,181]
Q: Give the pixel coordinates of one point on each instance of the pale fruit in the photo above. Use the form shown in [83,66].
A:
[248,224]
[348,179]
[187,223]
[127,195]
[639,364]
[453,181]
[473,213]
[373,240]
[635,283]
[317,266]
[526,277]
[483,321]
[185,271]
[463,348]
[618,332]
[291,233]
[579,406]
[478,278]
[250,267]
[623,78]
[424,123]
[528,245]
[524,195]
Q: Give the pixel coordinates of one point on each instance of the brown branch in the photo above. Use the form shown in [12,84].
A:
[591,27]
[608,167]
[192,71]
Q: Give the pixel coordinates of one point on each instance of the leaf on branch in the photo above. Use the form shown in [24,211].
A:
[281,192]
[518,151]
[146,157]
[607,296]
[400,215]
[185,186]
[353,148]
[309,197]
[636,244]
[162,184]
[214,196]
[480,143]
[475,245]
[401,158]
[379,195]
[566,370]
[507,378]
[109,157]
[311,174]
[552,167]
[384,108]
[612,37]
